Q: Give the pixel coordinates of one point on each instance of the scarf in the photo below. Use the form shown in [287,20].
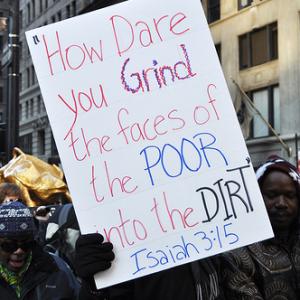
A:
[206,279]
[14,279]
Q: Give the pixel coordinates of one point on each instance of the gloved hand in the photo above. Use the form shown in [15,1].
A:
[92,255]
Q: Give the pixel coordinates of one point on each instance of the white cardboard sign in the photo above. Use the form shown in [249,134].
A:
[147,134]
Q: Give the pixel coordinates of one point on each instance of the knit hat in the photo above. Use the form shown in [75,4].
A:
[16,219]
[276,163]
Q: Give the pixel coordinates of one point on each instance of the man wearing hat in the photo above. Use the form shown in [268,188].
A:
[26,271]
[270,269]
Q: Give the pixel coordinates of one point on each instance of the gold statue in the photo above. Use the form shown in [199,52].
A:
[40,182]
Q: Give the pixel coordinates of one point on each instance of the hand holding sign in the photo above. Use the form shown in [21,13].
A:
[92,255]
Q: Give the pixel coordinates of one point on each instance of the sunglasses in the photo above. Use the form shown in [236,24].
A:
[12,246]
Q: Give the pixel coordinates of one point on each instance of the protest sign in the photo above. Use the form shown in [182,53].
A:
[147,134]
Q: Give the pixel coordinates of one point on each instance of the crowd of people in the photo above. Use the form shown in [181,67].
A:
[44,257]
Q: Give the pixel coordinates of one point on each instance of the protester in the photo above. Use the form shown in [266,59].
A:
[26,271]
[61,233]
[270,269]
[198,280]
[10,192]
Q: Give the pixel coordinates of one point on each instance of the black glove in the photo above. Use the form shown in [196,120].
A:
[92,255]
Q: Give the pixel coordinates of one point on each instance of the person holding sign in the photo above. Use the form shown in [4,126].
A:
[198,280]
[270,269]
[141,110]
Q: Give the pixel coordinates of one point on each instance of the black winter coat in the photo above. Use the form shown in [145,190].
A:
[47,278]
[194,281]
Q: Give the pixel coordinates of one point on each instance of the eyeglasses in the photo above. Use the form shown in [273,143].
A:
[12,246]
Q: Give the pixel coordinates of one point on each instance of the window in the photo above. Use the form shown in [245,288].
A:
[59,16]
[53,19]
[42,105]
[273,33]
[41,6]
[20,81]
[46,3]
[21,19]
[53,146]
[244,3]
[213,10]
[268,103]
[32,75]
[1,43]
[1,117]
[27,110]
[41,142]
[258,46]
[28,13]
[1,94]
[33,9]
[219,51]
[31,107]
[39,104]
[28,77]
[68,11]
[74,8]
[20,112]
[25,143]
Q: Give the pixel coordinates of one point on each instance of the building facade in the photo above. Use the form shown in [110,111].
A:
[4,28]
[258,42]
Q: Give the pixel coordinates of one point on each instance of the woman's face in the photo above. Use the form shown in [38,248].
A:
[14,252]
[281,199]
